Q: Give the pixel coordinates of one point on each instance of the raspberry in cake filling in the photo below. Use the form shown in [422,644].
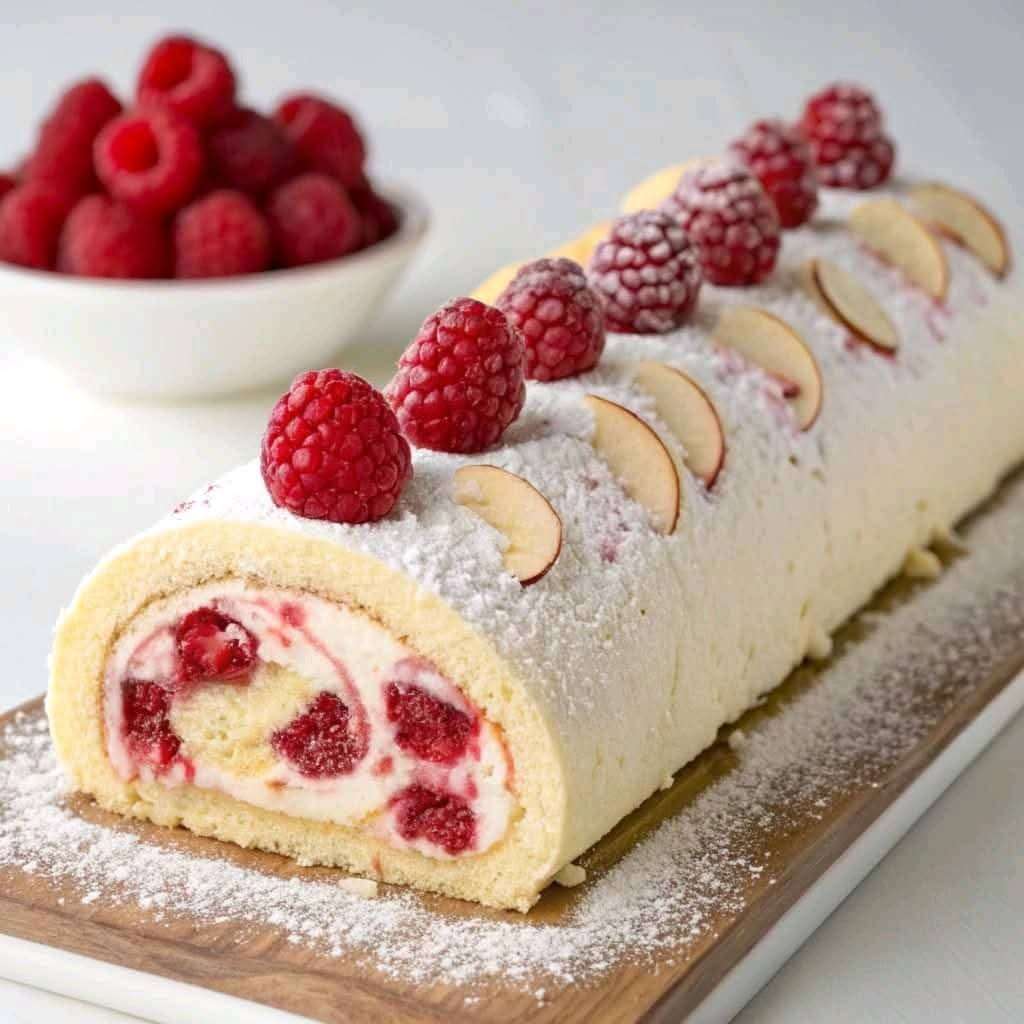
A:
[297,704]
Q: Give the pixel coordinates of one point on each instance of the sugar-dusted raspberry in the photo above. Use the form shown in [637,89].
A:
[781,160]
[249,152]
[104,238]
[323,741]
[379,217]
[444,819]
[724,209]
[220,235]
[312,220]
[848,112]
[147,730]
[190,78]
[31,216]
[647,272]
[333,450]
[559,316]
[844,127]
[63,152]
[150,159]
[213,646]
[855,165]
[460,383]
[325,135]
[432,729]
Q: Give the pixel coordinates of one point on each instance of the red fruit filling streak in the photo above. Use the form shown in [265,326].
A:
[212,646]
[147,728]
[432,729]
[441,818]
[321,742]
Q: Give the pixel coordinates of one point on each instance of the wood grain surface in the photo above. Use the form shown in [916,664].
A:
[260,964]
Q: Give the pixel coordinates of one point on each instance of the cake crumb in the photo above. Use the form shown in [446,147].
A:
[737,739]
[365,887]
[819,644]
[668,782]
[922,564]
[571,875]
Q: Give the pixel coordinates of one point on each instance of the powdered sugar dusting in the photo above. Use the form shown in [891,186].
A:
[812,745]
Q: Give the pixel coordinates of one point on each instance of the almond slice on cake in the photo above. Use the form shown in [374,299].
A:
[769,342]
[848,302]
[518,511]
[903,241]
[639,458]
[967,221]
[688,412]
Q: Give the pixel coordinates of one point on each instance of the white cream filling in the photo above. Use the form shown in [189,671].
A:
[333,649]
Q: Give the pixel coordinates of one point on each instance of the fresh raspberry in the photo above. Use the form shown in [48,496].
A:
[379,217]
[7,182]
[647,272]
[559,316]
[63,153]
[220,235]
[146,725]
[213,646]
[724,209]
[312,220]
[333,450]
[781,160]
[460,383]
[190,78]
[843,125]
[31,217]
[325,135]
[249,152]
[150,159]
[104,238]
[432,729]
[444,819]
[322,742]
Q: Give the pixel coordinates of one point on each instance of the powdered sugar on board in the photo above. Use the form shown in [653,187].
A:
[897,673]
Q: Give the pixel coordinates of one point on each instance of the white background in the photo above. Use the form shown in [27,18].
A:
[522,123]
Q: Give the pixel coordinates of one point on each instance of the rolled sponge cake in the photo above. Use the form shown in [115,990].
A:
[536,717]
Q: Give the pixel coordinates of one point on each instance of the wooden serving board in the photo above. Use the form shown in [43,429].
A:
[262,965]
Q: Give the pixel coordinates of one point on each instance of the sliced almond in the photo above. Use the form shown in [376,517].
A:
[518,511]
[899,238]
[967,221]
[847,301]
[688,412]
[769,342]
[639,458]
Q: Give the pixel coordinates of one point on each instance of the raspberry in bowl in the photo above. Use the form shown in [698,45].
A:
[175,242]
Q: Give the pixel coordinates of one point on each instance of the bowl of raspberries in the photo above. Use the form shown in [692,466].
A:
[182,244]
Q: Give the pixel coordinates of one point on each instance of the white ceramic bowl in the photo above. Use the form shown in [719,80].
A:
[191,339]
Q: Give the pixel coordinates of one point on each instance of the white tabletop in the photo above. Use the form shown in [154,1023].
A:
[522,123]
